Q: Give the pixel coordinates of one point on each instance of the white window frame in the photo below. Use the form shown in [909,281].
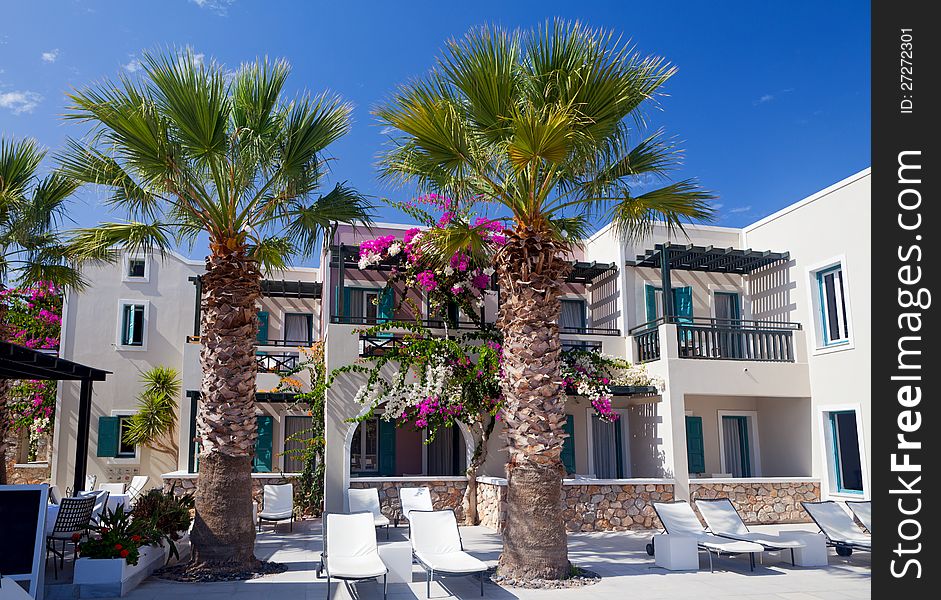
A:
[754,450]
[126,267]
[124,460]
[283,332]
[823,423]
[120,324]
[817,315]
[625,441]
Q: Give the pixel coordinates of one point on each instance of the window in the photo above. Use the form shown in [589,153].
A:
[607,441]
[573,318]
[125,450]
[298,328]
[739,452]
[136,268]
[368,305]
[682,303]
[364,450]
[832,306]
[844,452]
[133,323]
[297,432]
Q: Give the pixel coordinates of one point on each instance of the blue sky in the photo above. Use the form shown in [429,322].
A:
[771,99]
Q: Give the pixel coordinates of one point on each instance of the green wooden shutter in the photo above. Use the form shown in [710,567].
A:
[568,446]
[262,327]
[651,293]
[109,428]
[263,445]
[695,454]
[386,448]
[683,304]
[386,305]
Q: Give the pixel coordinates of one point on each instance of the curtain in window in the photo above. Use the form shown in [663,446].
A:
[573,314]
[441,453]
[298,429]
[732,442]
[297,328]
[605,448]
[356,302]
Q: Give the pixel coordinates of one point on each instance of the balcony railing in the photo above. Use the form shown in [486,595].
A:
[428,323]
[377,345]
[590,345]
[720,339]
[276,363]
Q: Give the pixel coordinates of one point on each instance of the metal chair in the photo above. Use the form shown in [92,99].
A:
[74,518]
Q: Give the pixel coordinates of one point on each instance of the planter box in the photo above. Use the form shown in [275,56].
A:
[113,577]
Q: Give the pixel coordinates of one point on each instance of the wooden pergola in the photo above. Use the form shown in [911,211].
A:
[19,362]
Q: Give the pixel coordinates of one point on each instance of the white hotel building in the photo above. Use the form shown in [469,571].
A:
[764,352]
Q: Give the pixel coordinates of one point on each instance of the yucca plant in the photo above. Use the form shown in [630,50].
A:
[544,128]
[189,148]
[154,423]
[31,207]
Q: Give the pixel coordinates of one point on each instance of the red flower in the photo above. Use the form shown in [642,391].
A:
[135,538]
[104,530]
[76,537]
[124,553]
[118,546]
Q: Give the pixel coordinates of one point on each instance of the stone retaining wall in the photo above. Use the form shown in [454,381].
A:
[762,502]
[181,485]
[445,493]
[602,506]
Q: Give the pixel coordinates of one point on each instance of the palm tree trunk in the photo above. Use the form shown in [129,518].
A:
[223,533]
[534,543]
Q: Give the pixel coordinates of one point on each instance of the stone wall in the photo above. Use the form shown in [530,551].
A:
[445,493]
[181,485]
[598,506]
[761,502]
[25,473]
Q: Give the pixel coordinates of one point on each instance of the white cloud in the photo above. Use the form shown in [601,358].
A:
[766,98]
[133,66]
[20,101]
[718,205]
[220,7]
[50,56]
[740,209]
[198,59]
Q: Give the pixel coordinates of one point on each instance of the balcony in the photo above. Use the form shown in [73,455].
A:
[718,339]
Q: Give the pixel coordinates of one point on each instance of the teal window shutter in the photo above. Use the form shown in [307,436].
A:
[683,304]
[386,305]
[695,454]
[568,445]
[262,327]
[109,428]
[651,293]
[386,448]
[263,445]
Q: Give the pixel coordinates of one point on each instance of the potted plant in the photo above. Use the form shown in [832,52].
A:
[115,558]
[163,519]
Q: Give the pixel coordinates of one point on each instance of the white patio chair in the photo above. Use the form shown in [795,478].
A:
[840,529]
[679,519]
[861,508]
[437,546]
[350,551]
[724,521]
[74,517]
[367,500]
[90,482]
[278,505]
[414,498]
[55,497]
[112,488]
[136,488]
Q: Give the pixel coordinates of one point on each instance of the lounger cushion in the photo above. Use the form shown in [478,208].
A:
[778,540]
[356,567]
[720,544]
[380,521]
[724,521]
[452,562]
[678,518]
[367,500]
[863,512]
[280,515]
[418,498]
[837,525]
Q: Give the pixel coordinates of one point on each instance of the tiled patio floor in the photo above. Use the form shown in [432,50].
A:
[619,558]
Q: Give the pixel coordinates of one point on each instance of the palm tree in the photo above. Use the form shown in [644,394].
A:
[192,149]
[30,251]
[154,423]
[543,125]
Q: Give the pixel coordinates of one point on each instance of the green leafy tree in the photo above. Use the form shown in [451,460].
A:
[154,423]
[31,206]
[544,126]
[189,148]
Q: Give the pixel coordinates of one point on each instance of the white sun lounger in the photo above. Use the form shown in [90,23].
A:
[278,505]
[350,552]
[724,521]
[367,500]
[414,498]
[679,519]
[840,529]
[863,511]
[436,545]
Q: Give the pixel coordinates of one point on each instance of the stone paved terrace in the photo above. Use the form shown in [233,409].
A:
[618,556]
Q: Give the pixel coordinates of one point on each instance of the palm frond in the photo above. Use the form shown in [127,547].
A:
[674,205]
[101,243]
